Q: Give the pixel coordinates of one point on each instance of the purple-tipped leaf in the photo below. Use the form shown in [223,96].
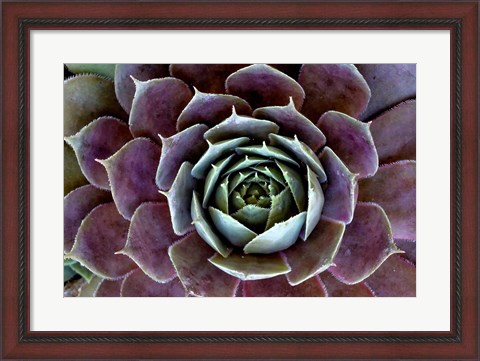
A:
[131,172]
[76,205]
[102,233]
[389,84]
[124,84]
[279,287]
[396,277]
[149,237]
[338,87]
[72,174]
[198,276]
[352,141]
[98,140]
[108,288]
[156,107]
[340,196]
[394,188]
[310,258]
[138,284]
[366,244]
[394,133]
[262,86]
[336,288]
[208,78]
[409,246]
[211,109]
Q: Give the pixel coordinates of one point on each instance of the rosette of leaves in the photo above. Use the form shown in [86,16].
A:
[240,180]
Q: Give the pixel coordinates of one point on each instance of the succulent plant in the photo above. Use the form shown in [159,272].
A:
[239,180]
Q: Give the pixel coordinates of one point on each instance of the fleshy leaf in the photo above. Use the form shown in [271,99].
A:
[301,151]
[221,196]
[236,233]
[156,107]
[179,199]
[89,289]
[390,84]
[82,271]
[266,151]
[338,289]
[366,244]
[203,228]
[280,208]
[211,109]
[108,288]
[102,233]
[252,216]
[241,126]
[352,141]
[198,276]
[316,200]
[98,140]
[252,266]
[68,273]
[212,178]
[292,123]
[279,237]
[295,183]
[72,174]
[409,247]
[338,87]
[394,188]
[124,84]
[261,86]
[131,172]
[246,163]
[312,257]
[394,133]
[138,284]
[396,277]
[107,70]
[149,237]
[279,287]
[237,179]
[214,152]
[85,98]
[209,78]
[340,193]
[174,154]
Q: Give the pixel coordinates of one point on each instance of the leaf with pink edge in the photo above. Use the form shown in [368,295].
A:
[312,257]
[108,288]
[279,287]
[85,98]
[338,87]
[198,276]
[394,188]
[138,284]
[396,277]
[394,133]
[124,84]
[131,172]
[72,174]
[149,237]
[102,233]
[292,122]
[389,84]
[262,86]
[366,244]
[340,195]
[208,78]
[252,266]
[211,109]
[98,140]
[352,141]
[173,153]
[156,107]
[336,288]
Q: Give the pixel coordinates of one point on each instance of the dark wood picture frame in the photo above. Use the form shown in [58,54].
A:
[19,342]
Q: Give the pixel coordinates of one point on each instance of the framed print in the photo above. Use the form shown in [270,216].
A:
[239,180]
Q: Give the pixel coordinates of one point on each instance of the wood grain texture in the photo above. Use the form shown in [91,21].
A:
[19,342]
